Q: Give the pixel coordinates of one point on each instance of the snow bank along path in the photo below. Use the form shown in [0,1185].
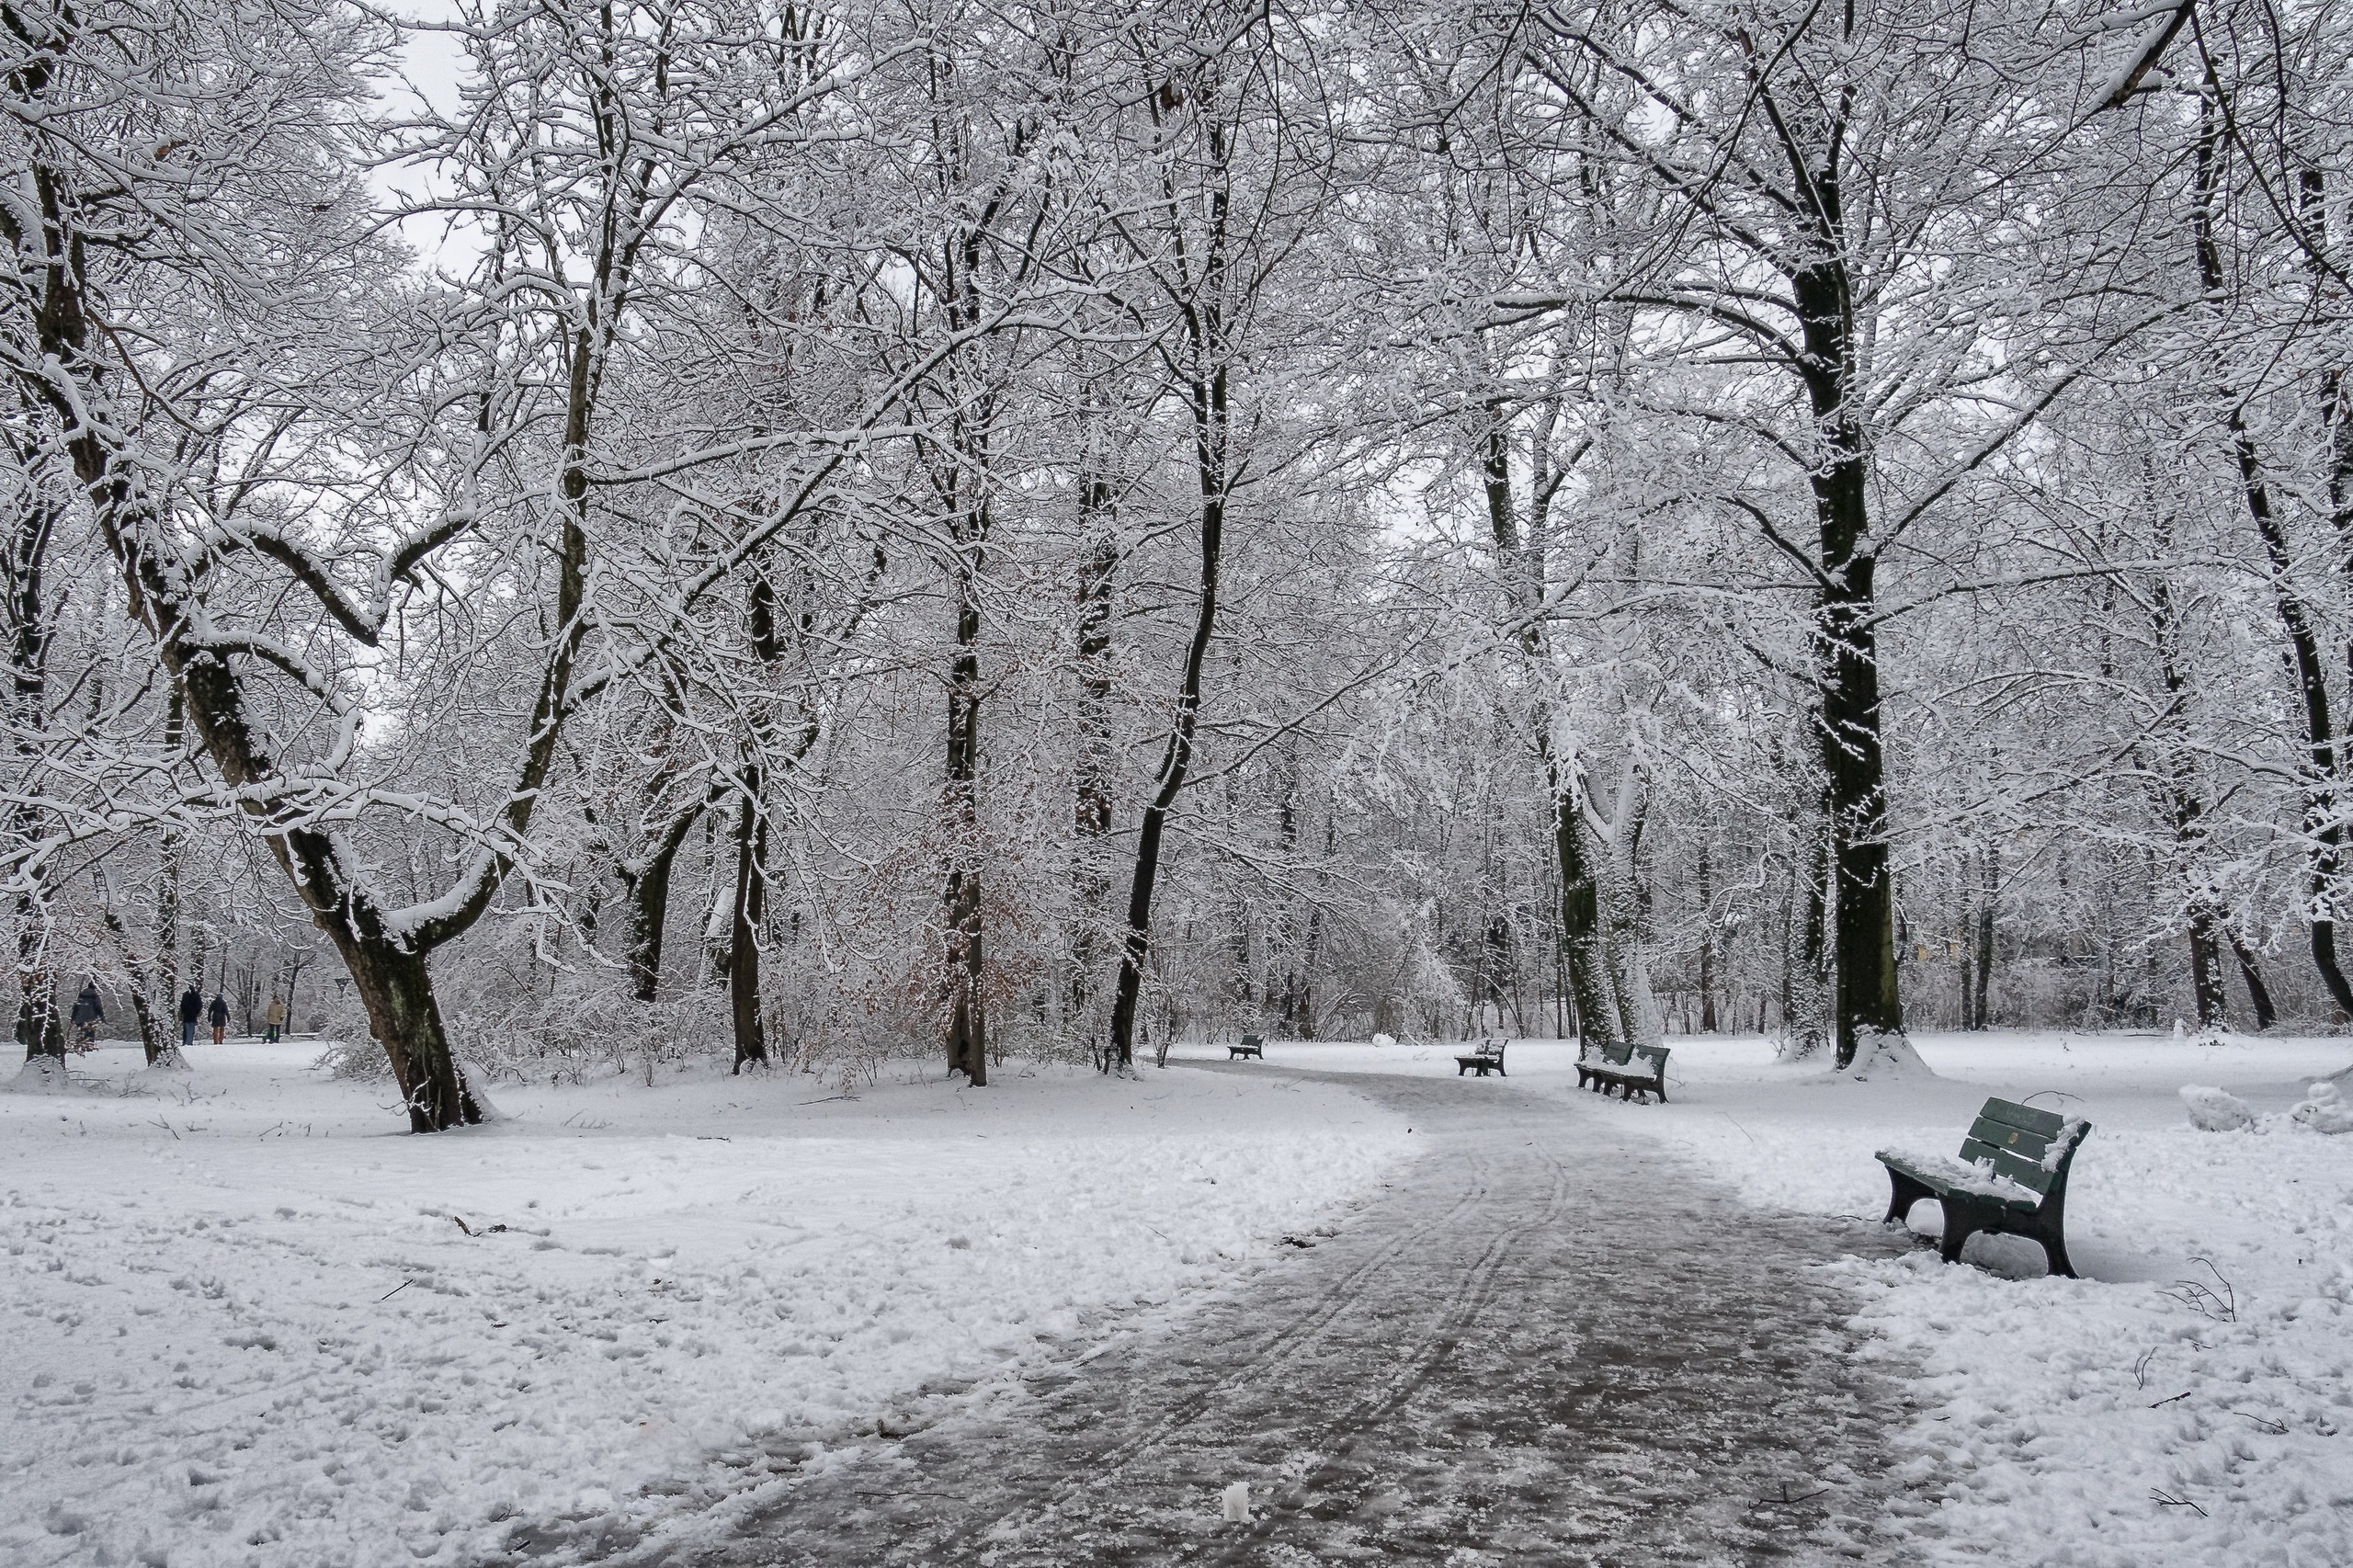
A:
[244,1327]
[2124,1420]
[1540,1343]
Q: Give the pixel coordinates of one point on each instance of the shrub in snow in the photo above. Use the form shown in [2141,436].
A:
[2325,1110]
[2216,1111]
[1382,1039]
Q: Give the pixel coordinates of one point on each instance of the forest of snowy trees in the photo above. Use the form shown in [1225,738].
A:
[564,532]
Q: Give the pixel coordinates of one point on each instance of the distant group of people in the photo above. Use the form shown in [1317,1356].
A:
[89,1012]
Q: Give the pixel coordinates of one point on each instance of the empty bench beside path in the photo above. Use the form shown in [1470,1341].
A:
[2011,1179]
[1488,1058]
[1629,1068]
[1251,1046]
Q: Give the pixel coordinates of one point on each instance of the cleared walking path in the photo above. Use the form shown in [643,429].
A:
[1542,1343]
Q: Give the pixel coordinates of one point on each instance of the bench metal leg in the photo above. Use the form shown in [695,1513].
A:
[1960,1226]
[1904,1193]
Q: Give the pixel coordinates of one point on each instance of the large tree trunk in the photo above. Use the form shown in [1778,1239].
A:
[1989,892]
[967,1022]
[1869,1008]
[396,989]
[1807,1000]
[1206,398]
[1600,1021]
[2323,827]
[1707,946]
[2258,994]
[37,1026]
[744,929]
[1091,802]
[2206,970]
[647,884]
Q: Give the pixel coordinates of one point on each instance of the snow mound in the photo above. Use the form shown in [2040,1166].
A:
[2216,1111]
[1885,1056]
[38,1075]
[1382,1039]
[2325,1109]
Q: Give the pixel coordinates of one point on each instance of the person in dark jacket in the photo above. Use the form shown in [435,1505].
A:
[191,1009]
[219,1016]
[88,1014]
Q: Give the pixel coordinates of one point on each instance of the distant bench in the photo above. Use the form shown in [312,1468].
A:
[1625,1068]
[2011,1179]
[1251,1046]
[1488,1058]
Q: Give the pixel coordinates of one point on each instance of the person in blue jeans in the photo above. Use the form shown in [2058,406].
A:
[191,1009]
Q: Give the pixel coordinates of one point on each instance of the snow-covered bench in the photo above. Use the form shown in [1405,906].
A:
[1625,1068]
[2011,1179]
[1251,1046]
[1488,1058]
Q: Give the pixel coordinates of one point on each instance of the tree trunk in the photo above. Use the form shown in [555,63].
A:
[397,991]
[647,884]
[1868,1006]
[1989,890]
[1207,398]
[1091,802]
[2258,994]
[2206,970]
[967,1024]
[744,930]
[2322,824]
[37,1027]
[1707,946]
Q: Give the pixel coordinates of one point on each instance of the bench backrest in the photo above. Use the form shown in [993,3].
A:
[1617,1054]
[1252,1040]
[1654,1054]
[2031,1147]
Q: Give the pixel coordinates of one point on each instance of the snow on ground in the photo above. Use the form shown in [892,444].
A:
[245,1327]
[2161,1411]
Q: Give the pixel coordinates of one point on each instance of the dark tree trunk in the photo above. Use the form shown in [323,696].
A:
[1846,714]
[1707,946]
[647,884]
[2258,994]
[744,930]
[967,1030]
[1989,892]
[396,989]
[1175,763]
[1091,803]
[388,966]
[37,1027]
[2321,826]
[2206,970]
[1206,398]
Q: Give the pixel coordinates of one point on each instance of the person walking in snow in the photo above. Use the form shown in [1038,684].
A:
[88,1014]
[219,1015]
[272,1019]
[191,1009]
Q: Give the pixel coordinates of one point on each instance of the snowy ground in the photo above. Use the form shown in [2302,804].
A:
[2122,1420]
[244,1326]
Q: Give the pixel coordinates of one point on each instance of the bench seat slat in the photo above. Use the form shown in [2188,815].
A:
[1994,1134]
[2026,1117]
[2026,1173]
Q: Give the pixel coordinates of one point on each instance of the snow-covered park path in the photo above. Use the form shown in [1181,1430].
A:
[1543,1342]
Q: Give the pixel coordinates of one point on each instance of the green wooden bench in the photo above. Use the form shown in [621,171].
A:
[2011,1179]
[1629,1068]
[1488,1058]
[1251,1046]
